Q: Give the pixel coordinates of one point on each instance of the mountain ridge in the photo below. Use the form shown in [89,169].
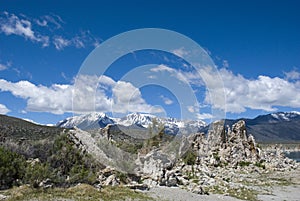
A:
[273,127]
[141,120]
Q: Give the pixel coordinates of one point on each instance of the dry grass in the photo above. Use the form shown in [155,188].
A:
[79,192]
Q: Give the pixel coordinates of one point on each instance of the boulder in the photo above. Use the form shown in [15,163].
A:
[111,181]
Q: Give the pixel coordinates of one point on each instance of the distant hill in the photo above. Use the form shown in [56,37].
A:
[276,127]
[16,128]
[26,138]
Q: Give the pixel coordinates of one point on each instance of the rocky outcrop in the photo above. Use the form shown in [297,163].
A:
[152,167]
[225,157]
[219,155]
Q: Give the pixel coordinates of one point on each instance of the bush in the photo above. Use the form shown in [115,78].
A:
[189,158]
[81,174]
[68,160]
[12,168]
[37,172]
[260,165]
[244,163]
[63,160]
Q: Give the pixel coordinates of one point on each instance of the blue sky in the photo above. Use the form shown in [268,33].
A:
[255,45]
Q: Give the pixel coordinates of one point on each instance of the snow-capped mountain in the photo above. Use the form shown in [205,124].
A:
[100,120]
[277,117]
[286,116]
[86,122]
[142,120]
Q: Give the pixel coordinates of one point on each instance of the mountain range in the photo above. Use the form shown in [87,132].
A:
[135,120]
[275,127]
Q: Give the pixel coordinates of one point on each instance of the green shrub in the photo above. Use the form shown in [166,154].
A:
[35,173]
[189,158]
[63,160]
[244,163]
[12,168]
[68,160]
[81,174]
[260,165]
[122,177]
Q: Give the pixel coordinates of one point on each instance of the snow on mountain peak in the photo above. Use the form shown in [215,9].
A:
[140,119]
[100,120]
[86,120]
[285,116]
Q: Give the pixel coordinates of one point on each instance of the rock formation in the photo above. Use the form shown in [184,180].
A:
[204,161]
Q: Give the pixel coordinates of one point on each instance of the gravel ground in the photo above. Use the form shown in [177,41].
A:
[276,193]
[281,193]
[178,194]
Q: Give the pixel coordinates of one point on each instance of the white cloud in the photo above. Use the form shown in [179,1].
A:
[2,67]
[44,31]
[292,75]
[162,68]
[51,19]
[42,23]
[127,98]
[191,109]
[5,66]
[166,100]
[60,43]
[11,24]
[181,52]
[204,116]
[79,41]
[80,97]
[181,76]
[4,109]
[264,93]
[225,64]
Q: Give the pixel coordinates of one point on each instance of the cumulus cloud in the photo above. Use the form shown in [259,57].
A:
[87,94]
[43,30]
[127,98]
[4,109]
[264,93]
[237,94]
